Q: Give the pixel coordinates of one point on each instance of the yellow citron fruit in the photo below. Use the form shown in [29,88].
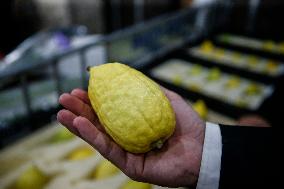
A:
[81,153]
[132,108]
[207,46]
[131,184]
[269,45]
[177,80]
[253,89]
[195,70]
[214,74]
[219,53]
[32,177]
[200,107]
[105,169]
[194,87]
[233,82]
[252,60]
[61,135]
[236,56]
[281,47]
[272,66]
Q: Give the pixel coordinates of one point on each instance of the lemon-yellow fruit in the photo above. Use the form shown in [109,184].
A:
[31,178]
[253,89]
[214,74]
[81,153]
[61,135]
[207,46]
[233,82]
[132,108]
[269,45]
[200,107]
[281,47]
[272,66]
[131,184]
[105,169]
[177,80]
[195,70]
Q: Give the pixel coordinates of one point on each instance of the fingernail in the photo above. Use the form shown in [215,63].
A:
[77,120]
[60,114]
[64,95]
[75,90]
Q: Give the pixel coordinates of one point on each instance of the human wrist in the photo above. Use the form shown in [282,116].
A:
[211,158]
[198,150]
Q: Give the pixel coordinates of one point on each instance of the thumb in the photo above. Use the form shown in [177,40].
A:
[100,141]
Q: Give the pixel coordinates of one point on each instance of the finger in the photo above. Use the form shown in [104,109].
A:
[77,106]
[253,120]
[102,142]
[66,118]
[82,95]
[172,96]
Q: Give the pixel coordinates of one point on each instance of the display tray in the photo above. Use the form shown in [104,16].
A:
[65,161]
[229,94]
[264,69]
[266,48]
[212,116]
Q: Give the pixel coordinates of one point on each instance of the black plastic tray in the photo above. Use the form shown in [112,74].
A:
[229,69]
[249,50]
[214,104]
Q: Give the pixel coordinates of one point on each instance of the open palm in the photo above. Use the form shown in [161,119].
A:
[176,164]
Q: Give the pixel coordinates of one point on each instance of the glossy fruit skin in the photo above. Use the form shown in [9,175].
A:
[132,108]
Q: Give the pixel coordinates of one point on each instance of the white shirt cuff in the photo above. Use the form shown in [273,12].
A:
[209,173]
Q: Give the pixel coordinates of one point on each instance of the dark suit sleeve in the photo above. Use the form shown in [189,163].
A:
[248,157]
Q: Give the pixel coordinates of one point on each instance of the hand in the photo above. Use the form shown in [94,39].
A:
[176,164]
[253,121]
